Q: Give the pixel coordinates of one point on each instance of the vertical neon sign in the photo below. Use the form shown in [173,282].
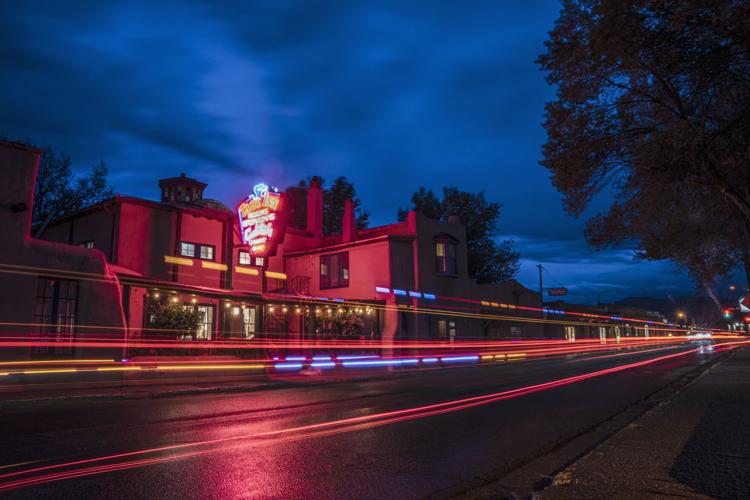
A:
[262,221]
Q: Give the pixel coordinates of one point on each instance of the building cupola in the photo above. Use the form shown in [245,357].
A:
[181,189]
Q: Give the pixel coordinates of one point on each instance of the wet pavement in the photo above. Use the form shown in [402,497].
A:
[313,440]
[695,444]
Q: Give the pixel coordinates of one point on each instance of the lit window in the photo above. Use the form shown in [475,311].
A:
[205,322]
[445,257]
[87,244]
[245,259]
[259,261]
[187,249]
[334,270]
[207,252]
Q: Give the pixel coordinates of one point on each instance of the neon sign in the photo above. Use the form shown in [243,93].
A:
[261,220]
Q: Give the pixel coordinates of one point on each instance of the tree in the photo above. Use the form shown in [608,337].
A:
[333,205]
[58,192]
[490,261]
[174,318]
[653,109]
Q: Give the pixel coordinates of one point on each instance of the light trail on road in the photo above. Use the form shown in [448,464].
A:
[55,472]
[438,354]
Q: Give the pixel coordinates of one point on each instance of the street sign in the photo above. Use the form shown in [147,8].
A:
[557,291]
[745,304]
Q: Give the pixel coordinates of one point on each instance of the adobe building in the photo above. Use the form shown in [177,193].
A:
[391,278]
[249,275]
[51,293]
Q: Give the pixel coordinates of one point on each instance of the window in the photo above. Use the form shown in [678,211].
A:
[570,333]
[207,252]
[259,261]
[248,322]
[445,257]
[245,259]
[446,330]
[206,323]
[87,244]
[187,249]
[55,310]
[334,270]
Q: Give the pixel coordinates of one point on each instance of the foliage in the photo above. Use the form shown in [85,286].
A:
[58,192]
[333,205]
[343,325]
[174,317]
[490,261]
[652,109]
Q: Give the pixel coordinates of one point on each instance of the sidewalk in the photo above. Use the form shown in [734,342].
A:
[696,444]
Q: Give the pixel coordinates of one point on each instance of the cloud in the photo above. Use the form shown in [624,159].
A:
[591,275]
[392,94]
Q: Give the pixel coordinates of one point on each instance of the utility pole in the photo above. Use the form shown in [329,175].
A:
[541,292]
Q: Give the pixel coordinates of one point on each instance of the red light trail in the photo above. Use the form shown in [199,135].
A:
[50,473]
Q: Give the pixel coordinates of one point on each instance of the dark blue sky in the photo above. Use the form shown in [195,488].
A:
[393,95]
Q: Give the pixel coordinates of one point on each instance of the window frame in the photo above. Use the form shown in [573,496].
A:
[197,250]
[56,308]
[342,269]
[242,254]
[183,245]
[446,264]
[206,247]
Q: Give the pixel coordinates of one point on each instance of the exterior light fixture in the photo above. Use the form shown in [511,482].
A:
[156,295]
[174,299]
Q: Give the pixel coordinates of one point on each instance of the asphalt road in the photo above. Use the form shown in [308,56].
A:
[280,443]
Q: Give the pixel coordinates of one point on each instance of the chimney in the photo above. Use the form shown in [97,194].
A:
[349,224]
[315,208]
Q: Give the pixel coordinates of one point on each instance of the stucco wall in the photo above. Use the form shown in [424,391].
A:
[24,259]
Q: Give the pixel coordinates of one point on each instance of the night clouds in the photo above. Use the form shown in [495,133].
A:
[393,95]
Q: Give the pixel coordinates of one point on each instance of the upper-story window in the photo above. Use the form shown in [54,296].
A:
[187,249]
[205,252]
[334,270]
[445,256]
[87,244]
[245,259]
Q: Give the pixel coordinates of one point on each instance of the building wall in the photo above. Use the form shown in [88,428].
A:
[200,230]
[144,236]
[24,260]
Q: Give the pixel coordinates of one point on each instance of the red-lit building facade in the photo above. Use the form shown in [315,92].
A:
[358,284]
[98,272]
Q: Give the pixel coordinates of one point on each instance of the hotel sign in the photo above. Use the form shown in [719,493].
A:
[262,220]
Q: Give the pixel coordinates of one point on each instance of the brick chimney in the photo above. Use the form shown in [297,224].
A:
[315,208]
[349,224]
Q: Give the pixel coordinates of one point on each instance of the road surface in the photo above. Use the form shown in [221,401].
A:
[390,436]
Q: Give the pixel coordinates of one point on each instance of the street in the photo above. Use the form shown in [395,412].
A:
[344,439]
